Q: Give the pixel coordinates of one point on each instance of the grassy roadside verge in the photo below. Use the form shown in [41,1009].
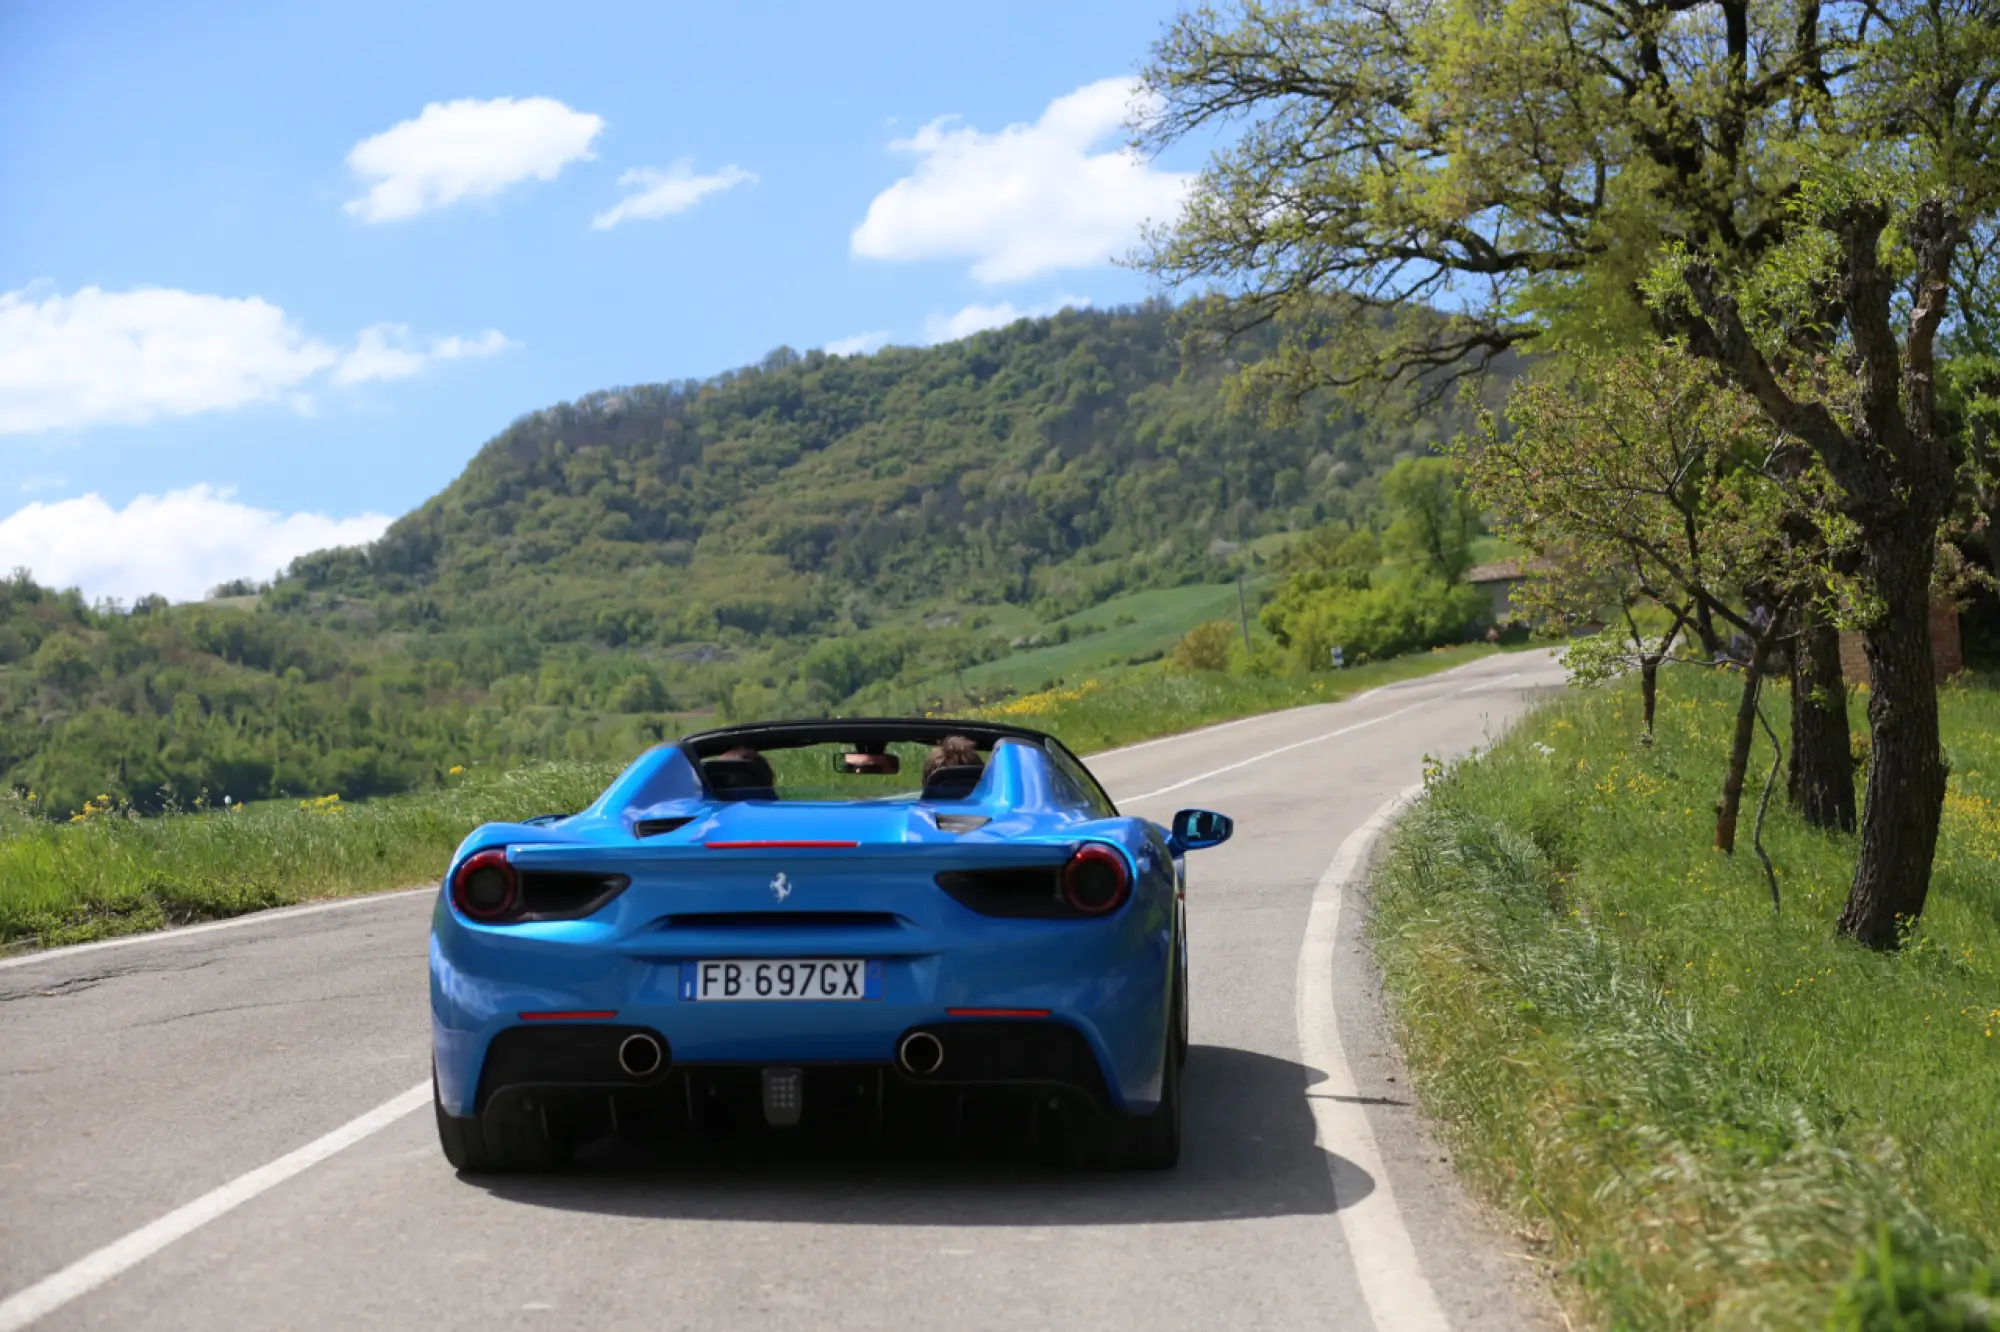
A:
[1706,1115]
[70,882]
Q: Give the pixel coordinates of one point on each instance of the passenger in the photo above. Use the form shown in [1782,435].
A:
[955,751]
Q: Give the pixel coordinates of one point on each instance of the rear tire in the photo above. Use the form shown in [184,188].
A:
[1180,985]
[1153,1142]
[511,1142]
[464,1145]
[1181,1019]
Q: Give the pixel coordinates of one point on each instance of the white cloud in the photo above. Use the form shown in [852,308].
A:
[129,357]
[179,544]
[386,351]
[467,149]
[975,318]
[658,193]
[861,344]
[31,485]
[1028,200]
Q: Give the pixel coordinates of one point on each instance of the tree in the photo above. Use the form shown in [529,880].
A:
[1802,170]
[1819,781]
[1435,520]
[1877,434]
[1641,476]
[1970,378]
[640,692]
[1335,555]
[1573,586]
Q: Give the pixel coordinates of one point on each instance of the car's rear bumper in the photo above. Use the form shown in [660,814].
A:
[976,1053]
[1103,1035]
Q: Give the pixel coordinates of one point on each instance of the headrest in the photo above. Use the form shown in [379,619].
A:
[955,782]
[739,779]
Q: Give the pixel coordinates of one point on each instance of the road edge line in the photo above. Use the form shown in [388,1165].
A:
[1392,1280]
[1267,754]
[1313,740]
[121,1255]
[1207,727]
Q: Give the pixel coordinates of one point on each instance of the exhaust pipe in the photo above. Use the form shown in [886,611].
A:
[920,1054]
[639,1055]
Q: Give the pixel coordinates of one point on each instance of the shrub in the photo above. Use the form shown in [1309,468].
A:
[1379,622]
[1205,647]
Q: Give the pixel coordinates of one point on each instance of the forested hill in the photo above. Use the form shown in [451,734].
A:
[1051,462]
[812,533]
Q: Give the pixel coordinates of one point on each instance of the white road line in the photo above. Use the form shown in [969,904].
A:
[93,1270]
[1491,684]
[1259,758]
[1299,744]
[1385,1259]
[186,932]
[1212,727]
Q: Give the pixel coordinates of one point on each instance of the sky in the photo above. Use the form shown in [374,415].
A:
[270,275]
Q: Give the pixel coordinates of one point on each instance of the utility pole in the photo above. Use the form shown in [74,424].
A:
[1242,610]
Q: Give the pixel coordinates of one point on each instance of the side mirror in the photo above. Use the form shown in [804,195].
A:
[1199,829]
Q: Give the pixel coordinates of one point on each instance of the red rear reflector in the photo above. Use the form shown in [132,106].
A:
[580,1015]
[996,1012]
[780,846]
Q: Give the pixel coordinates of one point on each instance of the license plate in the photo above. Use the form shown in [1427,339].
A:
[819,979]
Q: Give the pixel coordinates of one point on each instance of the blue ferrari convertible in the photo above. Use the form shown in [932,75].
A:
[842,927]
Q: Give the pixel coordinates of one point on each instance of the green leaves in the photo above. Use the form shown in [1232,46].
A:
[1436,520]
[1636,477]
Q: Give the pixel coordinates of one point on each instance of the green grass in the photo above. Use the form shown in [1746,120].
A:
[108,874]
[63,882]
[1707,1113]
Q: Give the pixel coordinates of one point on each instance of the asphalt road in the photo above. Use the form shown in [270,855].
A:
[140,1078]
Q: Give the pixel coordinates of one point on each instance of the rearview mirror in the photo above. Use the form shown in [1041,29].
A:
[1199,829]
[869,765]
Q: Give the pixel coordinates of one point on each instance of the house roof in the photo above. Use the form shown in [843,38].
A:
[1508,571]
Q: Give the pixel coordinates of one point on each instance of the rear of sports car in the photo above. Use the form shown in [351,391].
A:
[857,971]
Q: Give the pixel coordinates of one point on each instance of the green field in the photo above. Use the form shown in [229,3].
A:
[106,873]
[1703,1111]
[1139,624]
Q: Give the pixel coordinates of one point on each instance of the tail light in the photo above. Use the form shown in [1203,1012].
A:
[486,887]
[1096,880]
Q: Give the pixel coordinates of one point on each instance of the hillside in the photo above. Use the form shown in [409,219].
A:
[1052,462]
[810,533]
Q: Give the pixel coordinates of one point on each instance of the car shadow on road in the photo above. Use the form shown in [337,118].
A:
[1248,1150]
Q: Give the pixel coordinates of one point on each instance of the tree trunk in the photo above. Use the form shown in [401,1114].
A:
[1649,687]
[1899,819]
[1993,537]
[1739,754]
[1821,784]
[1704,628]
